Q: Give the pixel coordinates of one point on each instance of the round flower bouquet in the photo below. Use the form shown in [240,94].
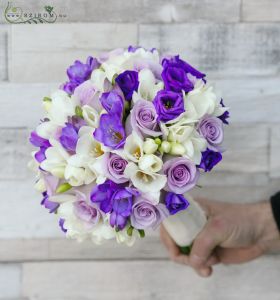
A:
[123,141]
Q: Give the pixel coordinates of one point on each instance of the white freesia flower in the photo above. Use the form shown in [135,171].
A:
[145,181]
[91,116]
[150,146]
[56,159]
[123,238]
[148,87]
[150,163]
[98,76]
[194,146]
[62,107]
[201,100]
[133,147]
[46,130]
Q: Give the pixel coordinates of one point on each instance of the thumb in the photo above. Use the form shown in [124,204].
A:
[208,239]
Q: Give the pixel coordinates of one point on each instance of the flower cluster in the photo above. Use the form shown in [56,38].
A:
[122,142]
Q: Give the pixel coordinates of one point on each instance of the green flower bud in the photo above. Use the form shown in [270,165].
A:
[130,230]
[158,141]
[64,187]
[141,233]
[79,112]
[177,149]
[165,147]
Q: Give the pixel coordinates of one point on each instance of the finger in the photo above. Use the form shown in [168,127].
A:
[212,260]
[205,243]
[182,259]
[205,272]
[237,256]
[169,243]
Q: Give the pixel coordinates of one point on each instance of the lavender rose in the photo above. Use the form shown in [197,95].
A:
[147,215]
[182,175]
[128,83]
[116,166]
[143,119]
[209,160]
[87,213]
[175,74]
[211,128]
[169,105]
[175,202]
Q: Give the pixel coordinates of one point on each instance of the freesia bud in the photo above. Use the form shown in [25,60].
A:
[40,185]
[58,172]
[158,141]
[177,149]
[64,187]
[150,146]
[165,147]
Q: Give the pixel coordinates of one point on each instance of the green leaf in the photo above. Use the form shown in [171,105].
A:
[64,187]
[130,230]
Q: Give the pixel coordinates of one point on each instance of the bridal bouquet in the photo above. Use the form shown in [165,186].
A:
[123,140]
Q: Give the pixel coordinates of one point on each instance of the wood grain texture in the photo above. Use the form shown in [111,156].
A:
[219,49]
[138,11]
[149,280]
[260,11]
[57,46]
[10,281]
[274,170]
[3,52]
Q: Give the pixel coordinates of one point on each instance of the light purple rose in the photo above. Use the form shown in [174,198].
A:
[116,166]
[182,175]
[211,128]
[147,215]
[87,212]
[143,119]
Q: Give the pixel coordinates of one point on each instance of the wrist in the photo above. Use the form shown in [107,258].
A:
[268,233]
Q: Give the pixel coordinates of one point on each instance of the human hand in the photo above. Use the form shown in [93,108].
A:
[234,233]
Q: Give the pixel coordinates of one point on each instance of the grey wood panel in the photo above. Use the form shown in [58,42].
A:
[220,49]
[275,152]
[56,46]
[138,11]
[150,280]
[10,281]
[261,11]
[3,52]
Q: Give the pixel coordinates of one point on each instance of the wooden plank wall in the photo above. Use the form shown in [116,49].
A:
[237,43]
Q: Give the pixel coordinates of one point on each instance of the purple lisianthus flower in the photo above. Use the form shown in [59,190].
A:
[182,175]
[110,131]
[78,73]
[143,119]
[211,128]
[116,166]
[147,215]
[169,105]
[209,160]
[38,141]
[122,206]
[61,225]
[225,115]
[102,194]
[113,103]
[175,74]
[69,137]
[175,202]
[128,83]
[50,205]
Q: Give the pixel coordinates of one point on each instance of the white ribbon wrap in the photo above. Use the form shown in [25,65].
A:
[184,226]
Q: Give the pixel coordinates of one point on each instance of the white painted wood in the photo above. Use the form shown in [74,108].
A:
[261,11]
[10,281]
[53,47]
[139,11]
[246,149]
[251,99]
[150,280]
[22,216]
[274,171]
[3,52]
[219,49]
[23,102]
